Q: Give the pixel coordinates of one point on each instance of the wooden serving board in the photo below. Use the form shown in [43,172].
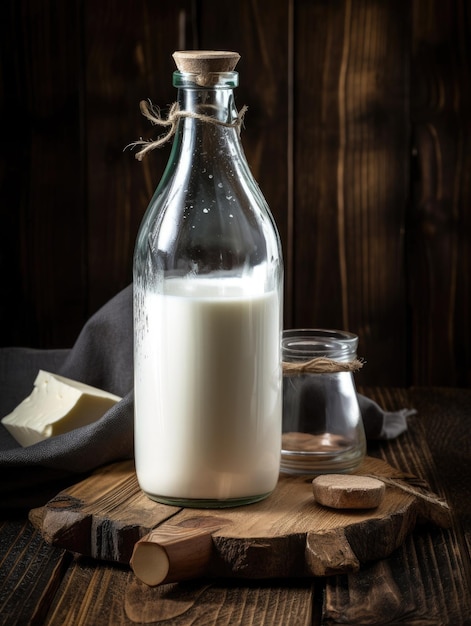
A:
[286,535]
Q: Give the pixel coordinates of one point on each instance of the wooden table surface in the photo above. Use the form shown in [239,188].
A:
[426,581]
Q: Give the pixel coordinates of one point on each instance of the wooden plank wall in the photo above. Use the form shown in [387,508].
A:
[358,132]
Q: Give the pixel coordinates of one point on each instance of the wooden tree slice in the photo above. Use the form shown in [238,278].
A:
[286,535]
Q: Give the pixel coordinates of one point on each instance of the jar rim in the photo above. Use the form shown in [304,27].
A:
[303,344]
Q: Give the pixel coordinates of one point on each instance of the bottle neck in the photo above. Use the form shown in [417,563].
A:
[210,95]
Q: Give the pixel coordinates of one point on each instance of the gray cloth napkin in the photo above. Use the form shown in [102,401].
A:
[103,357]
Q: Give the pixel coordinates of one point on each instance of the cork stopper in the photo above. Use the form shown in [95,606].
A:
[205,61]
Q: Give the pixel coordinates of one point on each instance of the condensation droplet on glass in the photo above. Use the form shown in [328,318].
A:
[205,210]
[210,176]
[220,185]
[228,197]
[230,215]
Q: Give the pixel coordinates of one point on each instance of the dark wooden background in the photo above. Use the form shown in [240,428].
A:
[358,131]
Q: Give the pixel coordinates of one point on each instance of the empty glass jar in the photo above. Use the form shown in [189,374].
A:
[322,424]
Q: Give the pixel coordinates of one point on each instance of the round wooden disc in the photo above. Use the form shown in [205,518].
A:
[346,491]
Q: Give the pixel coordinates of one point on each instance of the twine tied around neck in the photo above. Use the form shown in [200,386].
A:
[321,365]
[152,113]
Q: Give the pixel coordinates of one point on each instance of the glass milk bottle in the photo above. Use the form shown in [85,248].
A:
[208,277]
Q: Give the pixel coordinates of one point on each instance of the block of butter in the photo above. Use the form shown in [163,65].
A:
[55,406]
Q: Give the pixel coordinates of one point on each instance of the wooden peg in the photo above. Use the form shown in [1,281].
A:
[172,554]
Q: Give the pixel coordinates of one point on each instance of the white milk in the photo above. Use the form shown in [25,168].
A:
[207,391]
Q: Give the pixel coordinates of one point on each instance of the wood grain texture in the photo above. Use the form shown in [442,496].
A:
[128,59]
[401,588]
[440,220]
[409,587]
[112,596]
[351,183]
[42,233]
[27,584]
[72,200]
